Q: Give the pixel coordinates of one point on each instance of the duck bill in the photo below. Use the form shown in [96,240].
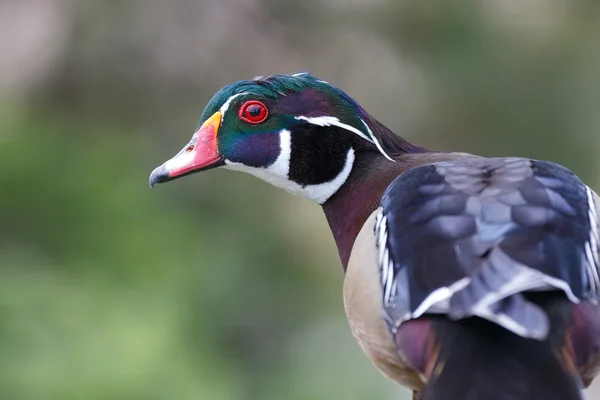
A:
[199,154]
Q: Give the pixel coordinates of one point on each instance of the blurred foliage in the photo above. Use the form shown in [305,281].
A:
[219,286]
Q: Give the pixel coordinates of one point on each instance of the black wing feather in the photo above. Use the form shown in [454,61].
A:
[468,238]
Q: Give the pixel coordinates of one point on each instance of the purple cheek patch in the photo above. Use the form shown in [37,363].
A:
[255,150]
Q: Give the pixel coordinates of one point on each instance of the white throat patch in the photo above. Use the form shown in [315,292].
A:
[277,173]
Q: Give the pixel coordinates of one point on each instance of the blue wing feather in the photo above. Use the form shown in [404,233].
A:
[472,238]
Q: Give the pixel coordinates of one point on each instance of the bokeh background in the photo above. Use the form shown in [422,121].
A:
[218,286]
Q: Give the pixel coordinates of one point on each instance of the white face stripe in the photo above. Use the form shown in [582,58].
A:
[277,173]
[226,105]
[376,141]
[334,121]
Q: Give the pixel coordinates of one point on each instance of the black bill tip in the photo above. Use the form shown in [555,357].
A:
[159,175]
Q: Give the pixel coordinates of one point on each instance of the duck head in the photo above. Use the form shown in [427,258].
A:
[295,131]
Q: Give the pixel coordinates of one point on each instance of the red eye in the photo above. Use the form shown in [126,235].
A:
[253,112]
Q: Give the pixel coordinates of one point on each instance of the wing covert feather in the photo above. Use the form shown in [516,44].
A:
[472,237]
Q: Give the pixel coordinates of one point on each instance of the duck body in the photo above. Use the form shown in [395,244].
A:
[465,277]
[450,239]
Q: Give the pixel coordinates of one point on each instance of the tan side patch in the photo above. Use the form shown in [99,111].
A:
[363,303]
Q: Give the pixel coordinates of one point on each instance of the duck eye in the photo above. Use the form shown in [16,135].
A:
[253,111]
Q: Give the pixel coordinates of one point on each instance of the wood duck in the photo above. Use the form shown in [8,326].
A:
[465,277]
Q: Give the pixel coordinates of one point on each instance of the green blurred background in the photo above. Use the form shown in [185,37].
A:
[218,286]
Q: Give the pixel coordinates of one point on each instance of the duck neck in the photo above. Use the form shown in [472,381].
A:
[348,209]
